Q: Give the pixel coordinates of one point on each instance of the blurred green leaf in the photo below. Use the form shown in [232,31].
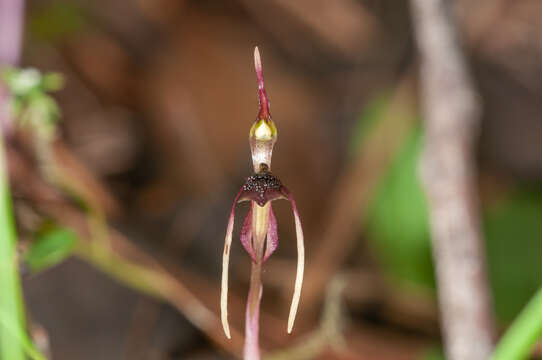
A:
[19,336]
[524,333]
[370,116]
[514,231]
[434,353]
[52,81]
[398,231]
[397,224]
[50,248]
[397,227]
[56,20]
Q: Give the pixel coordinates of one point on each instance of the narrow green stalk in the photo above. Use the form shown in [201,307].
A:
[18,335]
[523,334]
[133,275]
[11,302]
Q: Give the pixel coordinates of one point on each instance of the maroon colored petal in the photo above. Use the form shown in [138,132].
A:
[246,233]
[225,265]
[262,95]
[272,235]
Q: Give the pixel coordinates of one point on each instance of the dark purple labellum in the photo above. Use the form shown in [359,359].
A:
[262,187]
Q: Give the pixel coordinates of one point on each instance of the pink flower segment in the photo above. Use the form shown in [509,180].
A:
[259,234]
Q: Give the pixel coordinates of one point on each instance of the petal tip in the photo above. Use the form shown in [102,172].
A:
[291,317]
[258,68]
[224,316]
[226,327]
[290,327]
[264,102]
[257,60]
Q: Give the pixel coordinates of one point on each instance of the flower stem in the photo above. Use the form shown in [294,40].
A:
[12,325]
[252,347]
[260,224]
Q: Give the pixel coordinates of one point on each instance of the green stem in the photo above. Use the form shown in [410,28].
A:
[19,336]
[523,334]
[135,276]
[11,302]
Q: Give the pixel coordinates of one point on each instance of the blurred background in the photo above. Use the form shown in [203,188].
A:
[151,148]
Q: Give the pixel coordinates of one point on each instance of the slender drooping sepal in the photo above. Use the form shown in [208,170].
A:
[272,240]
[246,234]
[300,262]
[225,266]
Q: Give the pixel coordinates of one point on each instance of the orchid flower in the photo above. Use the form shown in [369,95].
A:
[259,231]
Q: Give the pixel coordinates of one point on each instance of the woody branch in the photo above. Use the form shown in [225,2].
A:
[451,112]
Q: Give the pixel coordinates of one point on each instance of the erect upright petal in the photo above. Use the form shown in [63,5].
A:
[246,233]
[225,265]
[300,262]
[272,235]
[263,133]
[262,95]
